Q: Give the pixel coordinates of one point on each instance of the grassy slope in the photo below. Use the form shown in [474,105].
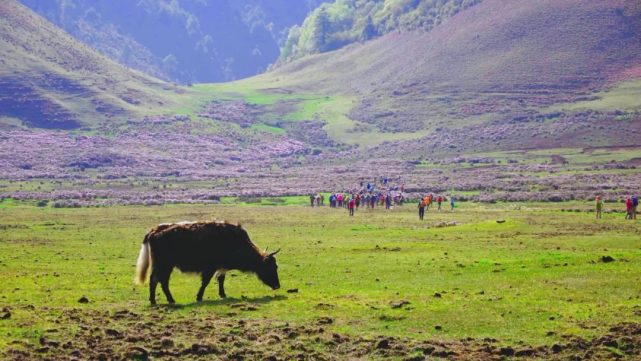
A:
[494,61]
[48,68]
[538,272]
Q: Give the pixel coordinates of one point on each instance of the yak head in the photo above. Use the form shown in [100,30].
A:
[268,270]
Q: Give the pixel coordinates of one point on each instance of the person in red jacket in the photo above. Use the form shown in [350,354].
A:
[439,200]
[628,208]
[351,205]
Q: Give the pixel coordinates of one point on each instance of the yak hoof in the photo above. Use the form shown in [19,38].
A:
[199,299]
[222,295]
[153,302]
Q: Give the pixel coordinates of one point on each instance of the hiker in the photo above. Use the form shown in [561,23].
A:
[350,206]
[439,200]
[311,199]
[635,205]
[388,201]
[628,207]
[599,207]
[421,209]
[452,204]
[428,202]
[339,199]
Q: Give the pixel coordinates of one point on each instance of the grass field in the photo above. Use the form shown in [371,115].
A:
[537,279]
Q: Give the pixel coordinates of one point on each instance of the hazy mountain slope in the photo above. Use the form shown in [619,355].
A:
[48,79]
[183,40]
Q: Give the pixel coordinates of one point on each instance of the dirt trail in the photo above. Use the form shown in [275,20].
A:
[162,335]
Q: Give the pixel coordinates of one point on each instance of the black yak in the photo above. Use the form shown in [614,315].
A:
[207,248]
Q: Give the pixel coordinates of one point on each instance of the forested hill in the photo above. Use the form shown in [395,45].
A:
[181,40]
[334,25]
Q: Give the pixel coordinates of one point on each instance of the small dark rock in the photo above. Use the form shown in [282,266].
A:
[166,342]
[524,352]
[437,295]
[5,314]
[325,321]
[438,327]
[611,343]
[383,344]
[83,299]
[556,348]
[113,333]
[607,259]
[293,290]
[428,350]
[506,351]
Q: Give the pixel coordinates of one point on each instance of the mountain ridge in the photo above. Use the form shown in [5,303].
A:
[50,80]
[181,40]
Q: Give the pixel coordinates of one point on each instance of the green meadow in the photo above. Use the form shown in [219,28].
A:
[535,278]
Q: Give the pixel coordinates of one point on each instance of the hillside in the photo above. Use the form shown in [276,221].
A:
[504,101]
[334,25]
[184,41]
[50,80]
[496,65]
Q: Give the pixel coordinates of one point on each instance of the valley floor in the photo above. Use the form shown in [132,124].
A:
[546,283]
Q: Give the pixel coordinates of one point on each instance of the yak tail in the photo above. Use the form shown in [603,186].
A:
[143,263]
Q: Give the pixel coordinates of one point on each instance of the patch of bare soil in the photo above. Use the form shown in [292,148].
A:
[162,334]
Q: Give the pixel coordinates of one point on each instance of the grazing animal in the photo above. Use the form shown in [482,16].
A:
[206,248]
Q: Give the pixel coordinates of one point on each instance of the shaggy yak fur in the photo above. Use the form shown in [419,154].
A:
[205,248]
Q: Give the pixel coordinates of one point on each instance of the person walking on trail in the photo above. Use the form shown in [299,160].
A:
[635,205]
[599,207]
[311,199]
[428,201]
[452,204]
[421,209]
[439,200]
[351,205]
[388,201]
[628,208]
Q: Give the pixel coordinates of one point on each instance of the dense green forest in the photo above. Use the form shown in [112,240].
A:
[334,25]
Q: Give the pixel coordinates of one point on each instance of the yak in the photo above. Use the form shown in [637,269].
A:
[206,248]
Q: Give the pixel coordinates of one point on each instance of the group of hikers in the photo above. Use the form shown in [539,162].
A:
[367,195]
[631,205]
[385,194]
[425,202]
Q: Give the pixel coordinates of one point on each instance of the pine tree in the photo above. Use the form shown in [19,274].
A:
[369,30]
[321,29]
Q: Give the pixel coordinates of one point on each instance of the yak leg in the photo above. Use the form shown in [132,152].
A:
[205,279]
[221,283]
[163,277]
[153,282]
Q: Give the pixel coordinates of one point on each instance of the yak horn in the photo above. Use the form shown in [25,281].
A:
[274,253]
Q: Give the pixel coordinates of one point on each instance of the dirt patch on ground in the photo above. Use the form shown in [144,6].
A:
[163,334]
